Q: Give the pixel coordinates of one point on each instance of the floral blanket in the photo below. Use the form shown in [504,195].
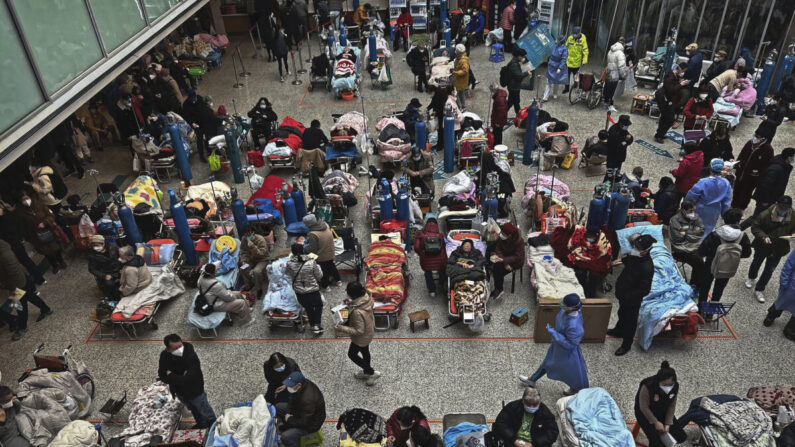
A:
[148,418]
[385,280]
[742,421]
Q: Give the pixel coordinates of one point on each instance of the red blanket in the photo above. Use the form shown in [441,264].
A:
[294,141]
[270,185]
[385,280]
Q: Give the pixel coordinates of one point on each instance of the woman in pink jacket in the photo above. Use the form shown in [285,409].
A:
[743,95]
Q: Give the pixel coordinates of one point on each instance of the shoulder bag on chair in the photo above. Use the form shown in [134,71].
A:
[202,306]
[339,244]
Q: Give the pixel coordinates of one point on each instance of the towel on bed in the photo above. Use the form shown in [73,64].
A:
[597,421]
[164,286]
[547,284]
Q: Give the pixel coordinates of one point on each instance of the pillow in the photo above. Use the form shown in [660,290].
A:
[154,254]
[623,236]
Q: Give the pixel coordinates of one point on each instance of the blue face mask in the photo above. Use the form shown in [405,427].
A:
[281,368]
[781,213]
[530,409]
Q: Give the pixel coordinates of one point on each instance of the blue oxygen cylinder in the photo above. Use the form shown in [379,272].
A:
[403,204]
[490,208]
[786,69]
[443,11]
[446,37]
[449,144]
[618,216]
[596,213]
[331,42]
[239,211]
[385,200]
[372,48]
[130,227]
[300,202]
[179,151]
[355,5]
[181,226]
[763,84]
[343,39]
[530,135]
[288,206]
[233,154]
[421,134]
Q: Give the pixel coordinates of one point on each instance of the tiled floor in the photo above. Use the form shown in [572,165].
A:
[442,370]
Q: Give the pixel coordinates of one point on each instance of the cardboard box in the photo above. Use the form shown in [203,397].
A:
[595,314]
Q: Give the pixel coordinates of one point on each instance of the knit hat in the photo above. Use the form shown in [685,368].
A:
[572,301]
[460,48]
[309,220]
[716,165]
[692,47]
[508,229]
[785,201]
[624,120]
[644,242]
[97,239]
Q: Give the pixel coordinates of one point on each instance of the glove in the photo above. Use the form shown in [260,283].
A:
[549,329]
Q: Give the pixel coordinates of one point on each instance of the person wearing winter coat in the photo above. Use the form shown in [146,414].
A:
[280,50]
[516,75]
[221,298]
[668,100]
[418,59]
[499,112]
[431,262]
[712,196]
[689,170]
[320,241]
[589,253]
[400,425]
[508,256]
[10,432]
[135,275]
[695,62]
[655,406]
[717,145]
[666,200]
[564,360]
[11,232]
[437,105]
[773,182]
[208,126]
[742,94]
[475,27]
[775,112]
[698,108]
[306,276]
[618,139]
[526,422]
[632,285]
[728,233]
[361,329]
[277,368]
[753,160]
[43,185]
[577,47]
[419,167]
[179,367]
[314,138]
[12,277]
[467,256]
[557,71]
[461,75]
[103,263]
[616,64]
[719,65]
[411,116]
[254,253]
[36,221]
[404,21]
[687,231]
[506,23]
[304,413]
[785,300]
[262,119]
[768,229]
[725,80]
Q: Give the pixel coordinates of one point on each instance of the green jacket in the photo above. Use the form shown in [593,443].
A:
[578,51]
[764,226]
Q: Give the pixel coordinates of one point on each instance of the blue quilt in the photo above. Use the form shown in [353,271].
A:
[461,429]
[229,263]
[340,84]
[347,151]
[597,421]
[280,294]
[271,435]
[668,289]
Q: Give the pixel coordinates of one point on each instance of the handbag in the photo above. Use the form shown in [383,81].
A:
[215,162]
[339,244]
[59,233]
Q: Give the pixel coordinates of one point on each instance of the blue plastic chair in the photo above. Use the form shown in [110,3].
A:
[497,53]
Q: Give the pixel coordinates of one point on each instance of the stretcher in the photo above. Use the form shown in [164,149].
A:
[348,136]
[280,304]
[240,427]
[387,281]
[467,299]
[281,150]
[228,271]
[593,417]
[148,421]
[549,278]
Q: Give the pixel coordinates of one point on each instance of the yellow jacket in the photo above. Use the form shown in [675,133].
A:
[461,73]
[360,16]
[578,51]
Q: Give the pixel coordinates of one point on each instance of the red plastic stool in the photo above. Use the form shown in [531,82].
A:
[635,431]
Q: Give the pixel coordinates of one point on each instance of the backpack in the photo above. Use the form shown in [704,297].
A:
[59,189]
[432,245]
[505,76]
[202,306]
[726,260]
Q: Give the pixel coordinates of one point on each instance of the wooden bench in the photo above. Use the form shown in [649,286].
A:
[418,316]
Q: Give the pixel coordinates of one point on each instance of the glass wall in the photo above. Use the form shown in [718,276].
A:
[754,25]
[156,8]
[730,31]
[709,26]
[20,93]
[61,38]
[117,20]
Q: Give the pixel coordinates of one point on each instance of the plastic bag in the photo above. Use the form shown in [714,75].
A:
[215,162]
[478,323]
[492,232]
[86,227]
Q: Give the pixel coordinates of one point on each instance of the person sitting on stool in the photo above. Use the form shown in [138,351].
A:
[655,403]
[305,413]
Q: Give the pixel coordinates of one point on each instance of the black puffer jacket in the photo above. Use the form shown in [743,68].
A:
[307,407]
[186,379]
[634,282]
[418,60]
[773,183]
[261,119]
[104,262]
[275,378]
[544,430]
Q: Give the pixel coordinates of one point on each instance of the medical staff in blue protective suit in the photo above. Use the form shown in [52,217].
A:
[713,196]
[557,71]
[786,298]
[564,360]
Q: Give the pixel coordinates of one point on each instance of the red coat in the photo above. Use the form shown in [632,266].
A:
[499,110]
[689,171]
[401,437]
[694,108]
[427,262]
[404,19]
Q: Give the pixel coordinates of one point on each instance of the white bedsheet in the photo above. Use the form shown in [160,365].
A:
[544,282]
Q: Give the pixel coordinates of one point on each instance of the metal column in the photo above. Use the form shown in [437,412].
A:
[741,36]
[681,11]
[640,22]
[659,24]
[700,18]
[764,31]
[720,27]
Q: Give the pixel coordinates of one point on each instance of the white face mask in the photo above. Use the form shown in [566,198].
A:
[27,202]
[702,96]
[291,390]
[98,248]
[152,77]
[624,127]
[667,389]
[179,351]
[403,428]
[634,252]
[690,215]
[504,237]
[590,240]
[755,140]
[8,404]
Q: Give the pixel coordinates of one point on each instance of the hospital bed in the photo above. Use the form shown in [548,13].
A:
[592,418]
[226,250]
